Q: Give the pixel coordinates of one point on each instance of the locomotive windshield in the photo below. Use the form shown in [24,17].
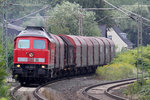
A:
[39,44]
[24,44]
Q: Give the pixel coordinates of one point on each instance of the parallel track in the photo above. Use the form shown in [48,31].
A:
[107,91]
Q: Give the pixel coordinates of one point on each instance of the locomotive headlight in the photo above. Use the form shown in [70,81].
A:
[18,66]
[31,54]
[43,66]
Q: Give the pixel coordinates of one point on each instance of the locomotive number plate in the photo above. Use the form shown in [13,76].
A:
[30,59]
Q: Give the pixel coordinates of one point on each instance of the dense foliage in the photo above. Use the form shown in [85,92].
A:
[64,20]
[4,94]
[102,17]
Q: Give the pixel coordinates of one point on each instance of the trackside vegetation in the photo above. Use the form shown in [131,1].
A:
[124,66]
[137,92]
[4,94]
[116,71]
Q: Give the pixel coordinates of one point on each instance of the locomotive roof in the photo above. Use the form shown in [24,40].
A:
[37,32]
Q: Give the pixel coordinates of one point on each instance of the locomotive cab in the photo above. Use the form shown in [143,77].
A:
[31,57]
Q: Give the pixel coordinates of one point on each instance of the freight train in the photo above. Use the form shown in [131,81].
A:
[40,56]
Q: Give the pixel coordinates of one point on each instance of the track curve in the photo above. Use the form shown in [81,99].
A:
[115,96]
[40,97]
[108,86]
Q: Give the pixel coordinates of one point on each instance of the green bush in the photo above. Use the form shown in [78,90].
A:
[128,57]
[116,71]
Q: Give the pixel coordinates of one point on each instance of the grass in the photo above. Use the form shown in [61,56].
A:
[116,71]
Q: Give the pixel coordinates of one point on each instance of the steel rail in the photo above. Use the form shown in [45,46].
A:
[114,86]
[84,92]
[116,96]
[12,93]
[40,97]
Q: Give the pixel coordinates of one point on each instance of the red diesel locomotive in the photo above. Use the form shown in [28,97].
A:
[40,56]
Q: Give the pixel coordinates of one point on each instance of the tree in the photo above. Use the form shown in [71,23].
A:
[64,20]
[102,17]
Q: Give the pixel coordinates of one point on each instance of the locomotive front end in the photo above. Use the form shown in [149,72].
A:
[31,58]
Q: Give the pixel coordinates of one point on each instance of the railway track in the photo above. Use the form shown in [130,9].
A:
[39,97]
[104,91]
[95,92]
[35,91]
